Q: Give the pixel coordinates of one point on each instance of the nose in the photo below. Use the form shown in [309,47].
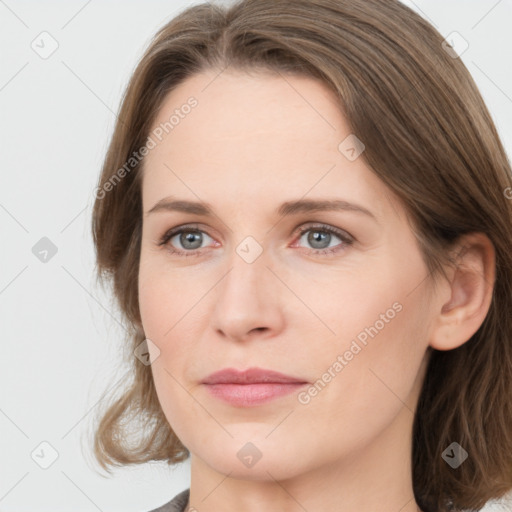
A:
[248,301]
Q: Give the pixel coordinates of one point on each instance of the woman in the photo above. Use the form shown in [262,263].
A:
[305,214]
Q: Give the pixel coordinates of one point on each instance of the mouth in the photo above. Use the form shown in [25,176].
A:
[251,387]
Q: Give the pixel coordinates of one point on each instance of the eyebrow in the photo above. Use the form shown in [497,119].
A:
[286,209]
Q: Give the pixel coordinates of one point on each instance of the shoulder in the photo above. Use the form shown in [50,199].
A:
[177,504]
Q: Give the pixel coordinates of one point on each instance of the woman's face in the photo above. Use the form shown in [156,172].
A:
[342,306]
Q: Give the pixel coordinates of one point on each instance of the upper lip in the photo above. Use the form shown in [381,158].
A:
[249,376]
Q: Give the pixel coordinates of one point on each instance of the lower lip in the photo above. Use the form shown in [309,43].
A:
[246,395]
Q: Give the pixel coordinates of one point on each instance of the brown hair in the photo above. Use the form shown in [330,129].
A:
[429,137]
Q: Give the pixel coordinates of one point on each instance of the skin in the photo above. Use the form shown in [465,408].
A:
[252,143]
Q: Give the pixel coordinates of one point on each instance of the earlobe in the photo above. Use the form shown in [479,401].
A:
[470,290]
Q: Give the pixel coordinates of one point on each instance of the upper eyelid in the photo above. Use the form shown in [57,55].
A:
[303,227]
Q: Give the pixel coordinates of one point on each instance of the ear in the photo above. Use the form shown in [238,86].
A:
[469,292]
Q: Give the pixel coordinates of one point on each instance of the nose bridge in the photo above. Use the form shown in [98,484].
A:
[243,283]
[246,298]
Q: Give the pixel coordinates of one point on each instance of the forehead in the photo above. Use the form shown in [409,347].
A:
[234,105]
[254,136]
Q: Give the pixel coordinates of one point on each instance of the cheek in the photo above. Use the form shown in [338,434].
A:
[163,307]
[165,297]
[352,303]
[151,304]
[172,305]
[363,391]
[380,317]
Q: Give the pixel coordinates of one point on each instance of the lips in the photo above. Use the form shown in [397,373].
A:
[251,376]
[251,387]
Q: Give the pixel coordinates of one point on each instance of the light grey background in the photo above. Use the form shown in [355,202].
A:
[61,337]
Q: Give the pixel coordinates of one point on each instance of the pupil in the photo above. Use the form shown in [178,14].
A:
[189,239]
[317,236]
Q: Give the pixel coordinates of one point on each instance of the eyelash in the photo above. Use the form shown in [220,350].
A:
[346,239]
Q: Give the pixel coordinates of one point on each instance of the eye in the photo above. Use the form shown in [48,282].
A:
[321,236]
[190,239]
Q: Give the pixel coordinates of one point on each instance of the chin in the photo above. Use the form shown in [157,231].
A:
[254,460]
